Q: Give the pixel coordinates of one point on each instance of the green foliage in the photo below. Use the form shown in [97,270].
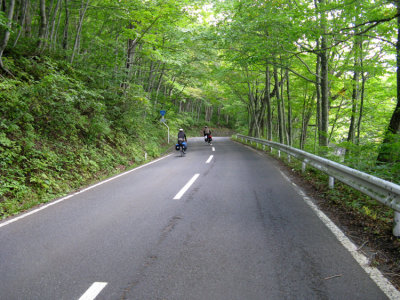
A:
[3,20]
[58,133]
[202,62]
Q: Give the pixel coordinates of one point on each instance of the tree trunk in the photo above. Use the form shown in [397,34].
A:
[387,150]
[283,107]
[318,94]
[43,25]
[53,21]
[160,81]
[356,88]
[150,79]
[154,79]
[306,116]
[278,105]
[199,111]
[49,12]
[267,99]
[363,80]
[79,29]
[54,40]
[24,8]
[28,20]
[253,107]
[172,87]
[208,113]
[336,119]
[324,83]
[6,36]
[324,95]
[290,127]
[354,100]
[66,27]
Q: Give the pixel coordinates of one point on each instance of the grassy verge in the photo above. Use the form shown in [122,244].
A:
[56,169]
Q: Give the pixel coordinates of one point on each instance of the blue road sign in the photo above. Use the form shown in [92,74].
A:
[162,112]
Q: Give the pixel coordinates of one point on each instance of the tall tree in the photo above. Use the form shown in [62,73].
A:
[43,25]
[82,13]
[7,33]
[387,150]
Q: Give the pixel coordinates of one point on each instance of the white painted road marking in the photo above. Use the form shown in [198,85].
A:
[213,149]
[209,159]
[77,193]
[362,260]
[186,187]
[93,291]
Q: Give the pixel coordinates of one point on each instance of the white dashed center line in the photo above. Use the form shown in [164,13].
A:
[209,159]
[186,187]
[93,291]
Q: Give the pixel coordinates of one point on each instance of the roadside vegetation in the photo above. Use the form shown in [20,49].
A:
[60,132]
[83,83]
[367,222]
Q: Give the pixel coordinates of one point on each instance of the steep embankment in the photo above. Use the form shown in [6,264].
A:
[60,129]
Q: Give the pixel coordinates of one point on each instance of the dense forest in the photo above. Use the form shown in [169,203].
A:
[83,81]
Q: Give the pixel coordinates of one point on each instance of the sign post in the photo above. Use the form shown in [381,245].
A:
[163,120]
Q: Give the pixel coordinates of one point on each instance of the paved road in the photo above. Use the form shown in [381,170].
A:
[239,231]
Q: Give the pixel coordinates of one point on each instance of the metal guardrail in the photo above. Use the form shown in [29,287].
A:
[384,191]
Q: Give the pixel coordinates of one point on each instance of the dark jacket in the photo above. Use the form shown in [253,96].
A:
[181,135]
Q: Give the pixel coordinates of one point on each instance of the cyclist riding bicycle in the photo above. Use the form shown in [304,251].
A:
[182,138]
[207,134]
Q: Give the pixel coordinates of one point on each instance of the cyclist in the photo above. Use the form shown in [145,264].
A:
[207,134]
[181,137]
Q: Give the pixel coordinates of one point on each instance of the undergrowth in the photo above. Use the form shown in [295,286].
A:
[60,131]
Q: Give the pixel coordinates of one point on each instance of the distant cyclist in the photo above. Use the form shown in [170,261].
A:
[207,134]
[181,137]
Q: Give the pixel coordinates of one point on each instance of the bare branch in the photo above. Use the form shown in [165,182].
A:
[373,22]
[304,63]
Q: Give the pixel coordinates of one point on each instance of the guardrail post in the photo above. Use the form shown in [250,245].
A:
[331,182]
[288,158]
[372,186]
[396,226]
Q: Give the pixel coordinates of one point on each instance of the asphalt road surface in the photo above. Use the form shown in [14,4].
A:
[220,223]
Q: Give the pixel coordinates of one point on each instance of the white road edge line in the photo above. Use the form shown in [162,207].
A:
[209,159]
[93,291]
[213,149]
[362,260]
[77,193]
[186,187]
